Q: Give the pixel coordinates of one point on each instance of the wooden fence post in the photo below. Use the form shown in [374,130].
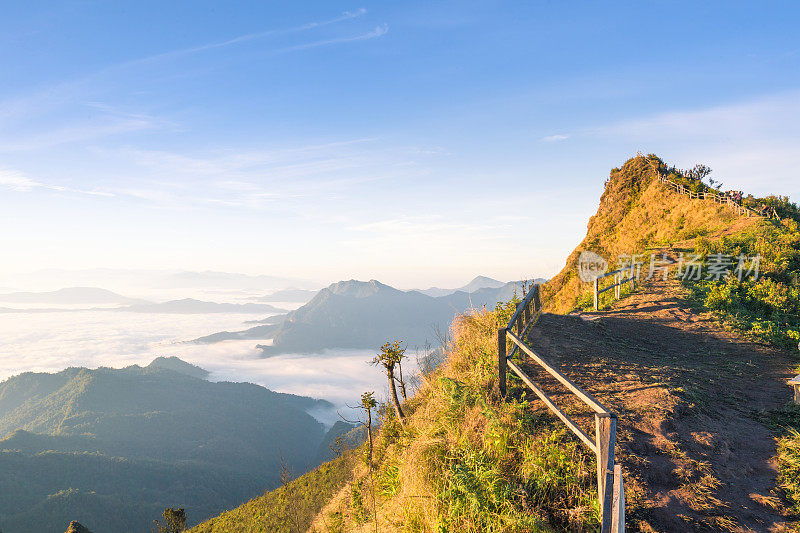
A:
[596,295]
[795,382]
[633,278]
[618,506]
[605,437]
[502,362]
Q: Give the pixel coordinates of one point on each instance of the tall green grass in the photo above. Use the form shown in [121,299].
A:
[789,470]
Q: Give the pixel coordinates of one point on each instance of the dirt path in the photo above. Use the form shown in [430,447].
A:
[693,400]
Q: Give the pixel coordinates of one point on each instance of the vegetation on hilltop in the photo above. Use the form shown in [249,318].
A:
[637,212]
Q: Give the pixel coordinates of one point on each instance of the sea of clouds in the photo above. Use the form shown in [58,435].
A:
[53,341]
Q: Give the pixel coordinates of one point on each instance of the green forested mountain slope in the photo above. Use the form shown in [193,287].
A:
[129,442]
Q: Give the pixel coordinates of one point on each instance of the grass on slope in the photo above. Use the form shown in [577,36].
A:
[288,509]
[466,461]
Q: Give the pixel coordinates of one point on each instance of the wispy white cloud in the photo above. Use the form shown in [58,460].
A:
[767,117]
[17,181]
[347,15]
[555,138]
[750,144]
[379,31]
[57,102]
[109,122]
[255,178]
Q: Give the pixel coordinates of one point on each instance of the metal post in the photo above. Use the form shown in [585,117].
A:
[502,362]
[596,296]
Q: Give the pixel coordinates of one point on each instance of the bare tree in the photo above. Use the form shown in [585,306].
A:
[368,403]
[286,477]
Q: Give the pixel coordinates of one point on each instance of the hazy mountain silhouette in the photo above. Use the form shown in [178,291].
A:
[263,332]
[358,314]
[190,305]
[71,296]
[287,295]
[274,319]
[180,366]
[214,279]
[480,282]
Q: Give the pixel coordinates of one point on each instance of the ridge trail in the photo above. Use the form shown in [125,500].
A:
[693,401]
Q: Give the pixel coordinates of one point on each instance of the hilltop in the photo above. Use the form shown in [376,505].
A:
[636,212]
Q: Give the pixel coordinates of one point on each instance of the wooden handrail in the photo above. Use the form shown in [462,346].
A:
[718,198]
[587,398]
[617,285]
[610,487]
[553,407]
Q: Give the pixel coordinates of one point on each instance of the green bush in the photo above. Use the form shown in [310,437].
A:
[766,307]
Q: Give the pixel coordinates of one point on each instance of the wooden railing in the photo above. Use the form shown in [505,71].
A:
[619,281]
[610,487]
[718,198]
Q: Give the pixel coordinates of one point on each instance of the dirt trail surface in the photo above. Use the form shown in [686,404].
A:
[694,403]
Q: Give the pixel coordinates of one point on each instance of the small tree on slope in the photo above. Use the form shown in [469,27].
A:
[390,355]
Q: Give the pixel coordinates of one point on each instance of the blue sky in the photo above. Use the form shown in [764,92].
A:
[419,143]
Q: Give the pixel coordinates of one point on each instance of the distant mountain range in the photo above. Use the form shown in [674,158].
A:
[212,279]
[357,314]
[71,296]
[480,282]
[189,305]
[113,448]
[155,279]
[96,296]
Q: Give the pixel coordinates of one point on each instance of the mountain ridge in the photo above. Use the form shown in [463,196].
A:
[365,314]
